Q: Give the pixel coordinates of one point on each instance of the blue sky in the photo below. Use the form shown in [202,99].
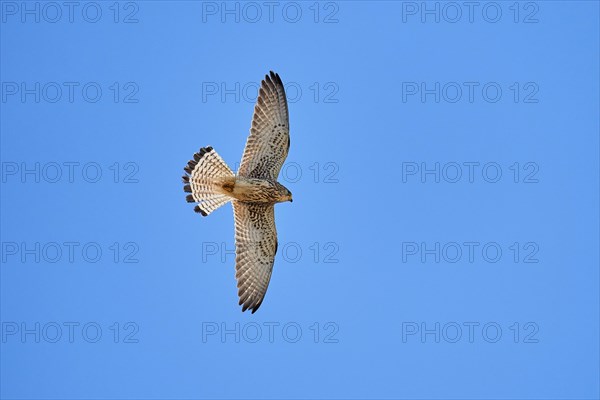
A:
[442,242]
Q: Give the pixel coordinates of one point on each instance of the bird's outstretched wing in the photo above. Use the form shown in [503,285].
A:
[256,245]
[269,141]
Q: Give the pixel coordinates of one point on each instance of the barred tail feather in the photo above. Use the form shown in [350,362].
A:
[203,180]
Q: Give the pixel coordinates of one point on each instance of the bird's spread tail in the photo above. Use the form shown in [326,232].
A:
[204,179]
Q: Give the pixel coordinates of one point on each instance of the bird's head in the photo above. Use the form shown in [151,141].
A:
[284,194]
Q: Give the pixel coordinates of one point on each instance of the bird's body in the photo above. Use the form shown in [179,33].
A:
[253,191]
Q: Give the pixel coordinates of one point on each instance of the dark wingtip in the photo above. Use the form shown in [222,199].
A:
[189,198]
[187,188]
[276,78]
[185,178]
[256,307]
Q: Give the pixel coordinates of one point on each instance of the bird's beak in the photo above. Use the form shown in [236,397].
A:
[291,200]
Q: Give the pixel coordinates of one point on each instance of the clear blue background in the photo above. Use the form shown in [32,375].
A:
[175,290]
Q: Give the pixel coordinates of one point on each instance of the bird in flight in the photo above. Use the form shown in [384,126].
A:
[253,191]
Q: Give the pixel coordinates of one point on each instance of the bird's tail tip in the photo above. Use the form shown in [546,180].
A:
[201,174]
